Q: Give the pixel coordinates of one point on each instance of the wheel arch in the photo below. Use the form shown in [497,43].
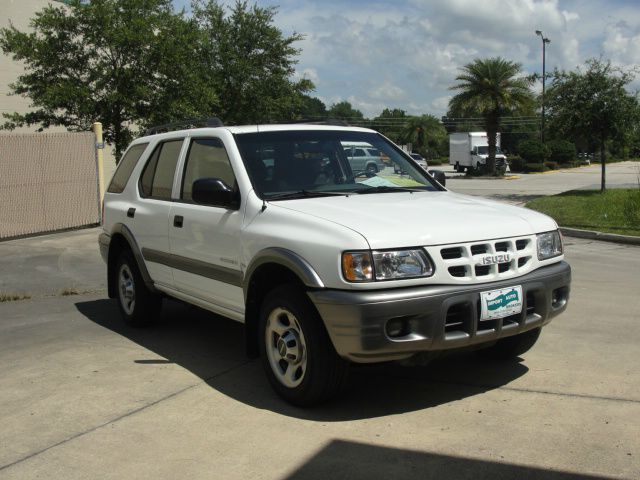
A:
[270,268]
[122,239]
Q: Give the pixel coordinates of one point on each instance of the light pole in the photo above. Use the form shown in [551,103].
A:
[545,40]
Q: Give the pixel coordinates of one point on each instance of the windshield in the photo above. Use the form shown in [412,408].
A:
[304,163]
[484,150]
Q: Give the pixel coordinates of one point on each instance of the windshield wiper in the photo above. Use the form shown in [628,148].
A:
[304,194]
[386,189]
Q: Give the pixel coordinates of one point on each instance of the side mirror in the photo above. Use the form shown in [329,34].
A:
[472,152]
[439,176]
[214,192]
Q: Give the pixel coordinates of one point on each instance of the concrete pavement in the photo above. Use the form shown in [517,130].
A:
[83,396]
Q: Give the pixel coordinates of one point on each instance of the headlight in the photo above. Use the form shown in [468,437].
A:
[386,265]
[549,245]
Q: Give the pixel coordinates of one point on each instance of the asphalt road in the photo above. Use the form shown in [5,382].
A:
[83,396]
[521,188]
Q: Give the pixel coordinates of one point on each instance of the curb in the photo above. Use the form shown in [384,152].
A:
[605,237]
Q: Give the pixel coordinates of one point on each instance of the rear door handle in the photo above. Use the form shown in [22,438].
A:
[131,212]
[177,221]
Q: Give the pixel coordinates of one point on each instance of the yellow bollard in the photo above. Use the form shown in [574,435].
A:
[97,129]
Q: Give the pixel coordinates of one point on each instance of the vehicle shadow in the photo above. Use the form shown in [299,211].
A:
[512,198]
[213,348]
[348,459]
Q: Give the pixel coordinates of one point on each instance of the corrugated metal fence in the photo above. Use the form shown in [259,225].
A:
[48,182]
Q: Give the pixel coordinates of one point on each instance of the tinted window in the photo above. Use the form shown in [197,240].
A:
[157,178]
[304,161]
[207,158]
[125,167]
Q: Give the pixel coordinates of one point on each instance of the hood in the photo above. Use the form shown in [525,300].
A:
[403,219]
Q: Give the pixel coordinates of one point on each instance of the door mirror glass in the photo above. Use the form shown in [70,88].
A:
[214,192]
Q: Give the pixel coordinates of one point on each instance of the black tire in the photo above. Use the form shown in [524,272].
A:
[511,347]
[138,305]
[371,170]
[296,352]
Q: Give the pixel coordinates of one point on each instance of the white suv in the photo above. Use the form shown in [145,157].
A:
[268,225]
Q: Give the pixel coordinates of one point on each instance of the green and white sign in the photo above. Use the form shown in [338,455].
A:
[501,303]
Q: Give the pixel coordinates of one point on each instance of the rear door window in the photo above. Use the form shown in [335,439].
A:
[125,167]
[157,178]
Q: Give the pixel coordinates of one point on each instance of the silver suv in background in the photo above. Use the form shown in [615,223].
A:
[364,160]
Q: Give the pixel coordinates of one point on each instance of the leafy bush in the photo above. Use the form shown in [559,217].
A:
[572,164]
[435,161]
[476,172]
[561,151]
[533,151]
[551,165]
[516,163]
[534,167]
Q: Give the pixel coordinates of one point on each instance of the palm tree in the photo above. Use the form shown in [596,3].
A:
[422,131]
[491,87]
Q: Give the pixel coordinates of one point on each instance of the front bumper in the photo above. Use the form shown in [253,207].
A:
[438,317]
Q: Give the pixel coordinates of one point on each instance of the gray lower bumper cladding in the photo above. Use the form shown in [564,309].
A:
[438,317]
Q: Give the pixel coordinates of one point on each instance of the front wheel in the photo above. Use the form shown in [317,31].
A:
[297,354]
[511,347]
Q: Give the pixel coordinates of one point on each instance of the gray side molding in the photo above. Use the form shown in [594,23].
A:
[123,230]
[288,259]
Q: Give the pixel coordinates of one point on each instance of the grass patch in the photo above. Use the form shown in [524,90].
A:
[13,297]
[615,211]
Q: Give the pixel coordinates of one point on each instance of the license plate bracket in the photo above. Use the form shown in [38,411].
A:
[501,303]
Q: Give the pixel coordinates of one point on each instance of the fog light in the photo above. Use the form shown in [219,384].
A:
[559,297]
[398,327]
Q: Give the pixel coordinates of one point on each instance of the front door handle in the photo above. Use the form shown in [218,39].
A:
[131,212]
[177,221]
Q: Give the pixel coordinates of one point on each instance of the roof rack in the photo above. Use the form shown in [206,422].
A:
[188,123]
[328,121]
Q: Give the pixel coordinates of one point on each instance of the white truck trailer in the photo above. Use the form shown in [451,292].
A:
[470,149]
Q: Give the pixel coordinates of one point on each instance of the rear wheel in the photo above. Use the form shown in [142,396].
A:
[138,305]
[511,347]
[297,354]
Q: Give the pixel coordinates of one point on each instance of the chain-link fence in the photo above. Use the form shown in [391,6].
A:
[48,182]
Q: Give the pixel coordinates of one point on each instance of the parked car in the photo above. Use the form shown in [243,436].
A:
[420,160]
[365,160]
[272,227]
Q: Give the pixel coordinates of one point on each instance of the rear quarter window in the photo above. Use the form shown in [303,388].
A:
[125,167]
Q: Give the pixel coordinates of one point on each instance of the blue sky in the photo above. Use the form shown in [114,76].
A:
[406,53]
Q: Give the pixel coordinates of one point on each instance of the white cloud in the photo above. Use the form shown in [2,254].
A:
[406,54]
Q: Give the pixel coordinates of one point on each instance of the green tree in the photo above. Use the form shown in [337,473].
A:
[311,108]
[344,110]
[593,106]
[561,151]
[390,123]
[491,87]
[425,133]
[249,61]
[109,60]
